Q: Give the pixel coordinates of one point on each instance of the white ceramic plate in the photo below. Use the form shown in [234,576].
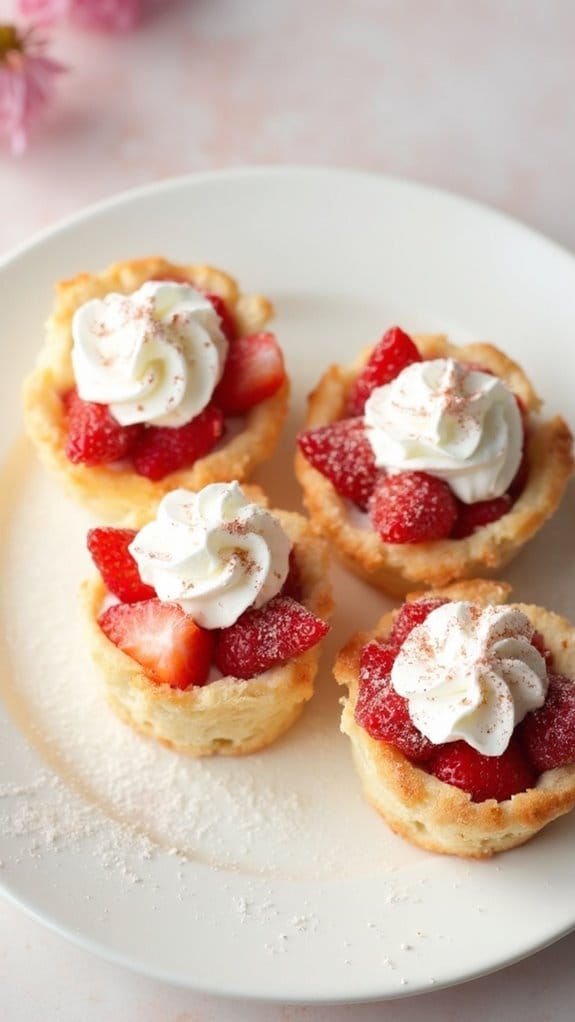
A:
[269,876]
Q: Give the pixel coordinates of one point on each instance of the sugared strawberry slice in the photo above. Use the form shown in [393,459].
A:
[109,549]
[227,321]
[412,507]
[293,584]
[166,642]
[164,449]
[381,711]
[548,734]
[342,453]
[254,370]
[471,517]
[483,777]
[260,639]
[390,355]
[412,614]
[94,436]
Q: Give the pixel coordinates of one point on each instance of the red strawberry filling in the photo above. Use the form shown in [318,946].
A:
[254,370]
[548,734]
[543,740]
[390,355]
[169,645]
[381,711]
[412,507]
[260,639]
[172,648]
[94,436]
[404,507]
[342,453]
[109,549]
[484,777]
[160,450]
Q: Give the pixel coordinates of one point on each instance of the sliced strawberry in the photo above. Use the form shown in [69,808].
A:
[109,549]
[548,734]
[412,507]
[164,449]
[471,517]
[227,321]
[169,645]
[376,660]
[260,639]
[483,777]
[94,435]
[343,454]
[293,583]
[254,370]
[412,614]
[381,711]
[390,355]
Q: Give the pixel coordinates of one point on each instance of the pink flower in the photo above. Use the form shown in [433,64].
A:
[26,82]
[103,15]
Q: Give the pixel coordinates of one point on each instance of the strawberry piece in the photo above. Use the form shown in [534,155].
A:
[293,584]
[381,711]
[227,322]
[169,645]
[390,355]
[260,639]
[164,449]
[109,549]
[94,436]
[343,454]
[548,734]
[412,507]
[471,517]
[376,660]
[412,614]
[254,370]
[483,777]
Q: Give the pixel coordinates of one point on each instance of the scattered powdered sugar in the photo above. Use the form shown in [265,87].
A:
[41,817]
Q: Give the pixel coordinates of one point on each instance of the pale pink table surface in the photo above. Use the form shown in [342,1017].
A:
[478,98]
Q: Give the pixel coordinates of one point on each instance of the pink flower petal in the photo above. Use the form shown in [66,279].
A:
[44,11]
[107,15]
[26,84]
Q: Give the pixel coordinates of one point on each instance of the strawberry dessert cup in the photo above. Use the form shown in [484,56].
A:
[205,622]
[153,376]
[461,715]
[425,462]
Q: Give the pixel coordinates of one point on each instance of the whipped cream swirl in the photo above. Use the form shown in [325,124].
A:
[472,673]
[213,553]
[458,424]
[154,356]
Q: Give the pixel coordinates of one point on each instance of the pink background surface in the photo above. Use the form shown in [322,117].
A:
[476,98]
